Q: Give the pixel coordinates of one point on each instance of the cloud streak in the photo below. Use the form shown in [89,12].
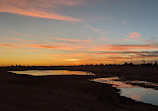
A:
[96,30]
[39,8]
[59,47]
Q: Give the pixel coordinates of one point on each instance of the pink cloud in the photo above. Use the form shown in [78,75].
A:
[38,8]
[134,35]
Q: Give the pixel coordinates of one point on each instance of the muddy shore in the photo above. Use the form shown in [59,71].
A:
[62,93]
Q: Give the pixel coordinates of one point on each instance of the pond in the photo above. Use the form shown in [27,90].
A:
[51,72]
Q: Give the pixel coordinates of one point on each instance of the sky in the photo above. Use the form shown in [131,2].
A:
[73,32]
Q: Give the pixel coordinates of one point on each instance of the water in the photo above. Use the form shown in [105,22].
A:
[51,72]
[146,95]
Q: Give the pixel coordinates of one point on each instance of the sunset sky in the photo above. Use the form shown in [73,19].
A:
[71,32]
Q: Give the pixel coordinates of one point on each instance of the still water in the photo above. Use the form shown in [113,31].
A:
[146,95]
[51,72]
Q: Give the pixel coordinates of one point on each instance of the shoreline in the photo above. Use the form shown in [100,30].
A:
[135,72]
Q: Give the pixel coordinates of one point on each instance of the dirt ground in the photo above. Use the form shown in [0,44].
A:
[62,93]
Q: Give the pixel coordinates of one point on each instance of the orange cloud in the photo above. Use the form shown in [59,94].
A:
[7,45]
[44,46]
[14,50]
[38,8]
[134,35]
[62,47]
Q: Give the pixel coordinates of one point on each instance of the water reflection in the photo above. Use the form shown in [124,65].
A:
[146,95]
[136,97]
[114,81]
[51,72]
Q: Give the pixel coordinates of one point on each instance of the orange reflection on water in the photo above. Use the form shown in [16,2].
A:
[136,97]
[51,72]
[113,81]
